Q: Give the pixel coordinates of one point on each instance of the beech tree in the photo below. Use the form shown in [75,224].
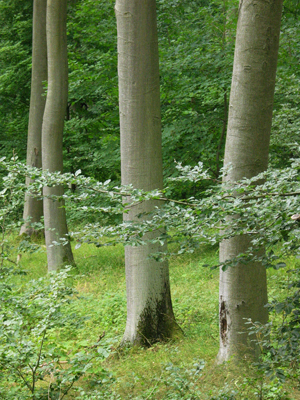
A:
[58,252]
[243,288]
[33,208]
[149,309]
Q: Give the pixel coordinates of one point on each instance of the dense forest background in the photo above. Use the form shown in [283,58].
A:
[196,44]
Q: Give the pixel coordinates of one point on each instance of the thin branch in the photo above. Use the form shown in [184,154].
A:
[185,203]
[67,390]
[38,360]
[270,194]
[24,380]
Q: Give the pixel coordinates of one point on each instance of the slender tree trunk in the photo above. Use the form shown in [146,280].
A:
[149,310]
[52,132]
[243,289]
[33,208]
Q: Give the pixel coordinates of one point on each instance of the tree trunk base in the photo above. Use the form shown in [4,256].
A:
[151,335]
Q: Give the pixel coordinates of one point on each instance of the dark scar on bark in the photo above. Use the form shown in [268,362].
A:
[223,321]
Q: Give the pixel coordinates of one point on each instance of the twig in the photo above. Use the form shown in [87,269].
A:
[38,361]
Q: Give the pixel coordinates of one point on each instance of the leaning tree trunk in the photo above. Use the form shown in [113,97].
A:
[52,132]
[149,310]
[243,289]
[33,208]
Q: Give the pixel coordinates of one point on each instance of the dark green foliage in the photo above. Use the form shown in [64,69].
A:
[91,140]
[196,56]
[287,97]
[15,72]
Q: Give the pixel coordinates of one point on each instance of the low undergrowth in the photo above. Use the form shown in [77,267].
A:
[64,343]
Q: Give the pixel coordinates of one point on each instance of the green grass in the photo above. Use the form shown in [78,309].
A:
[166,370]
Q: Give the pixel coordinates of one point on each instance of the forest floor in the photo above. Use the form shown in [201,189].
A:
[183,369]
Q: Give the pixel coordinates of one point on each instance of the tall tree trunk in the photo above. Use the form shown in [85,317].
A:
[33,208]
[243,289]
[149,310]
[52,132]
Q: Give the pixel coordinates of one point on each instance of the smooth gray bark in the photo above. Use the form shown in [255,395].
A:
[52,132]
[33,208]
[243,289]
[149,309]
